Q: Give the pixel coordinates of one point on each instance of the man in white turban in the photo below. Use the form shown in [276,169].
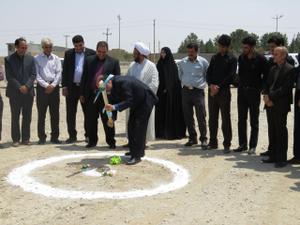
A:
[145,71]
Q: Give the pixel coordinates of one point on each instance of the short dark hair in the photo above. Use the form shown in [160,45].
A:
[77,39]
[224,40]
[19,40]
[279,41]
[193,46]
[102,44]
[249,40]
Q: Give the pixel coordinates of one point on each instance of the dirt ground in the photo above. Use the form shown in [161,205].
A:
[234,189]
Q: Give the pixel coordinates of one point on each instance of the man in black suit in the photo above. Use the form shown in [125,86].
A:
[128,92]
[97,68]
[71,78]
[278,97]
[274,42]
[20,73]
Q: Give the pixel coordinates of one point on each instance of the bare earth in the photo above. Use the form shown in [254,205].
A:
[235,189]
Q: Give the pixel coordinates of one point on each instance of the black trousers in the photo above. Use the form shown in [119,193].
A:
[220,102]
[191,99]
[92,115]
[44,101]
[72,102]
[20,104]
[248,101]
[278,134]
[296,147]
[1,115]
[137,128]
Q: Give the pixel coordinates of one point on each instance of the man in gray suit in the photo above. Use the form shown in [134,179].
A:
[20,74]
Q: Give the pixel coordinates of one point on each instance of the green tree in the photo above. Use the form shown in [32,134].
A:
[191,38]
[210,47]
[264,39]
[236,39]
[295,44]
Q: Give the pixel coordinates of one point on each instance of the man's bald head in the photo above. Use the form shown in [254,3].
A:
[280,55]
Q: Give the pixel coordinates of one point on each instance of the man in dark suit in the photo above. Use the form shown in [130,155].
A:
[20,73]
[274,42]
[278,98]
[97,68]
[128,92]
[71,78]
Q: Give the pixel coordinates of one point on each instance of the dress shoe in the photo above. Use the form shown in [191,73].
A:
[113,146]
[15,144]
[133,161]
[41,142]
[226,150]
[91,145]
[268,161]
[211,147]
[240,149]
[281,164]
[55,141]
[251,151]
[127,154]
[190,143]
[266,153]
[26,143]
[71,140]
[204,144]
[294,161]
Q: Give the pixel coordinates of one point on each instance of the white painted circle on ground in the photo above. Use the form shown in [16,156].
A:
[20,177]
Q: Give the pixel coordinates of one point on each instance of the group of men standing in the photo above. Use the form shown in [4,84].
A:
[256,77]
[80,76]
[84,68]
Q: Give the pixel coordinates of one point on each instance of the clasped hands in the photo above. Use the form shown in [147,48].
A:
[214,90]
[268,101]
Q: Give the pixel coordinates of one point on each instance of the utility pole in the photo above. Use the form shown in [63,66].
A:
[107,34]
[159,48]
[154,40]
[277,18]
[66,37]
[119,18]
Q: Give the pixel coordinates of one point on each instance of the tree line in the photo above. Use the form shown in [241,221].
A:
[237,36]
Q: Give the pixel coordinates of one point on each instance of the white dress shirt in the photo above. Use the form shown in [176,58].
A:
[48,70]
[79,60]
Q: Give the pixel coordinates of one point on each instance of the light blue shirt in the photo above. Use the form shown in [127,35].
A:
[79,60]
[193,74]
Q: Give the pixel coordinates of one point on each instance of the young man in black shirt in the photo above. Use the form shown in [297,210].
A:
[252,70]
[220,74]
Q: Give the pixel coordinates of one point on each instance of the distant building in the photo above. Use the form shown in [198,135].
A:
[34,49]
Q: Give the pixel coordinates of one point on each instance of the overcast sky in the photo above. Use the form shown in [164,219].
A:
[35,19]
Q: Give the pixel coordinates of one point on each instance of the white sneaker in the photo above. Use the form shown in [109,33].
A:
[251,151]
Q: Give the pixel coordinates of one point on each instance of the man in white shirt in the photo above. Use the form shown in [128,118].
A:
[48,67]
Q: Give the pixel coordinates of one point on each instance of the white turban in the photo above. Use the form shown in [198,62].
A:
[142,48]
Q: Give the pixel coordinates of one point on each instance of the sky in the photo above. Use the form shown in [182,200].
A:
[36,19]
